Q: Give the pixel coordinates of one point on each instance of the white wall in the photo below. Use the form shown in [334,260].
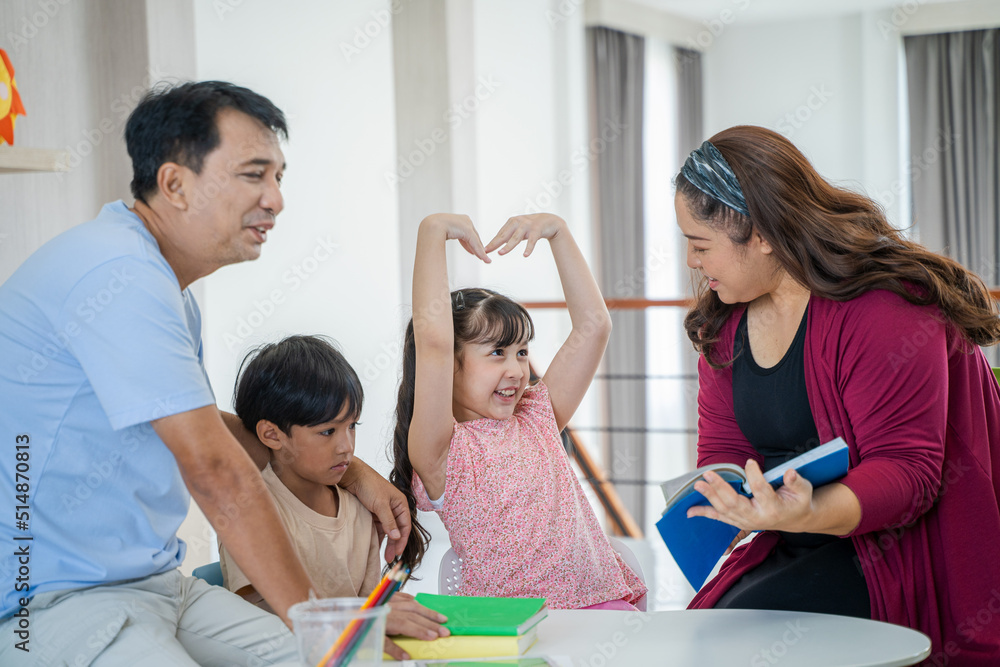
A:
[526,134]
[827,84]
[833,86]
[527,127]
[76,99]
[524,117]
[329,66]
[517,71]
[330,265]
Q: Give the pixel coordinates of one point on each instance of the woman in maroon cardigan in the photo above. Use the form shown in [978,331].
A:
[817,319]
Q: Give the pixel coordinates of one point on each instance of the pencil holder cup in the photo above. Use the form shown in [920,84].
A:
[335,632]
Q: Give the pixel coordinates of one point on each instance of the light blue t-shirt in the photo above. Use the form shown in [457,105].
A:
[96,340]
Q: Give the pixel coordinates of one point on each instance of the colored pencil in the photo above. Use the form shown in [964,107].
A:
[338,646]
[345,646]
[355,643]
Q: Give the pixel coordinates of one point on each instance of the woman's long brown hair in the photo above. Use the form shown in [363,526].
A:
[835,242]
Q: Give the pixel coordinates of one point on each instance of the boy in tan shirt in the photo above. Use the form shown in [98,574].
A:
[303,400]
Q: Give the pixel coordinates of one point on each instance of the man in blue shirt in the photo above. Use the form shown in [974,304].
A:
[109,420]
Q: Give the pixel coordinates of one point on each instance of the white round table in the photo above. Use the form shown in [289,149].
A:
[727,638]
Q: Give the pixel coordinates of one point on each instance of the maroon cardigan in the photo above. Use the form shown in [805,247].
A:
[920,411]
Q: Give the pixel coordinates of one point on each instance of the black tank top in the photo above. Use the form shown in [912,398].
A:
[771,404]
[805,571]
[772,408]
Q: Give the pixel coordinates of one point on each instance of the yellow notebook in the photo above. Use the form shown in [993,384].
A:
[467,646]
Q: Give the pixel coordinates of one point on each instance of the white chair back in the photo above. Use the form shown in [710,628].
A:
[449,573]
[633,563]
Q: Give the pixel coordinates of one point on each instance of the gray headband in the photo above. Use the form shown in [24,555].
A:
[708,171]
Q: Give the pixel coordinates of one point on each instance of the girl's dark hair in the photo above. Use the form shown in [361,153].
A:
[478,316]
[299,381]
[835,242]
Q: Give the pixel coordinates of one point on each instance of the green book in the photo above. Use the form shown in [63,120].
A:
[486,616]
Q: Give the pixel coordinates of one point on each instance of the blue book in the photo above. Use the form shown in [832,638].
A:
[697,543]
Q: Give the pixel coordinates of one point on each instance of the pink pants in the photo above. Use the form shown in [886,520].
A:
[614,605]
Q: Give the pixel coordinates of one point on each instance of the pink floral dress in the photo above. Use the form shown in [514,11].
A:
[518,518]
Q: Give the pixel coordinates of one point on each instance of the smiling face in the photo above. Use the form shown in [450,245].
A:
[233,202]
[311,456]
[489,380]
[737,273]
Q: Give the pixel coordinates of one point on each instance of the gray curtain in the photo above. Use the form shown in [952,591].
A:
[954,91]
[690,135]
[689,102]
[617,67]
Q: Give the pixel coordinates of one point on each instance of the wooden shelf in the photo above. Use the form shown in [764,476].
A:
[18,159]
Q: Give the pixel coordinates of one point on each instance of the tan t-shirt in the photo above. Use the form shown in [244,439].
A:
[340,554]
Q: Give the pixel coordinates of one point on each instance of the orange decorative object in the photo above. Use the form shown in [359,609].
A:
[10,100]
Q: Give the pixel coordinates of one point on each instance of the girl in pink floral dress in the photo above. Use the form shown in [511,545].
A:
[480,446]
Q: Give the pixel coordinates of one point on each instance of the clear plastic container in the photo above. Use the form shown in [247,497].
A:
[321,624]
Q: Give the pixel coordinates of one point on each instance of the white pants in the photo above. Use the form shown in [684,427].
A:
[165,620]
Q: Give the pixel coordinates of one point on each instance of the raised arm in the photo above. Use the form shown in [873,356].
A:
[434,337]
[572,369]
[231,492]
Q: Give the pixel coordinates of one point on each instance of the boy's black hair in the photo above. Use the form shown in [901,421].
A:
[178,124]
[299,381]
